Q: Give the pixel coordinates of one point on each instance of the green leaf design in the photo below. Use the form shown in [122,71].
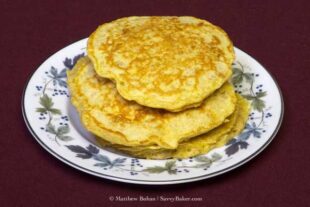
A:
[239,75]
[258,104]
[236,79]
[65,138]
[174,171]
[55,111]
[215,157]
[51,128]
[203,165]
[60,132]
[206,162]
[249,97]
[171,166]
[63,130]
[248,77]
[41,110]
[203,159]
[237,71]
[261,94]
[155,169]
[47,104]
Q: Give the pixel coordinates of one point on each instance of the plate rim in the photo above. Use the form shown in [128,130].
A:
[154,182]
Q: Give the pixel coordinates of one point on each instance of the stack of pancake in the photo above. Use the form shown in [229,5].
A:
[158,87]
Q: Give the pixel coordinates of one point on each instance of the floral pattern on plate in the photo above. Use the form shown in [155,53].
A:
[47,108]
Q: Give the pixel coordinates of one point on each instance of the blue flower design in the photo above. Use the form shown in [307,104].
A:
[241,141]
[93,152]
[250,130]
[69,63]
[58,78]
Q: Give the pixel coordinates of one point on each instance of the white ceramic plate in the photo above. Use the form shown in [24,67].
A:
[54,123]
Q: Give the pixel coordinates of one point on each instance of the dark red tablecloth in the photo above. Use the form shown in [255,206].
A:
[276,34]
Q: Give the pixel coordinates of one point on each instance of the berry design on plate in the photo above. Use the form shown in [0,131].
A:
[134,167]
[243,78]
[55,85]
[57,125]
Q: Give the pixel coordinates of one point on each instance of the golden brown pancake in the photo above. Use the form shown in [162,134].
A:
[199,145]
[106,114]
[170,63]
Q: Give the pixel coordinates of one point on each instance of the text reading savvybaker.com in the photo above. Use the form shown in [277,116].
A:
[154,198]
